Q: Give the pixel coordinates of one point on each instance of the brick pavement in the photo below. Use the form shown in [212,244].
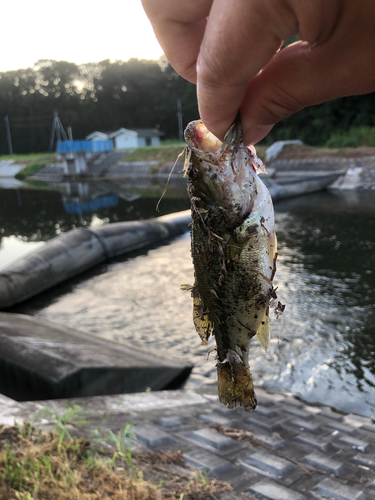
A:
[341,446]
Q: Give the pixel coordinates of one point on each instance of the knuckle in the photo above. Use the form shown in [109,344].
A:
[186,69]
[213,70]
[277,104]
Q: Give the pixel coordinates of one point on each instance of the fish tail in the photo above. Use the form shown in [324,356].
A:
[236,386]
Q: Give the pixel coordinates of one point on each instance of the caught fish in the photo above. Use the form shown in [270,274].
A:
[233,246]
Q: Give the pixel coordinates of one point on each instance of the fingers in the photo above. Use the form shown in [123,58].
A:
[179,28]
[301,75]
[237,44]
[233,56]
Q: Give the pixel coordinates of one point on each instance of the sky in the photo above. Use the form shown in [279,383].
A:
[79,31]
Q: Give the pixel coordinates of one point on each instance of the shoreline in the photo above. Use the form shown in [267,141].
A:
[358,172]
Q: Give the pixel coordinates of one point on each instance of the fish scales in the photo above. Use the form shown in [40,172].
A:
[234,254]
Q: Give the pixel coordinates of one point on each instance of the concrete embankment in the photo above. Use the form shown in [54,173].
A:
[76,251]
[359,172]
[43,360]
[359,168]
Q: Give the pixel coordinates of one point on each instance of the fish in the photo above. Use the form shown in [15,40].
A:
[234,253]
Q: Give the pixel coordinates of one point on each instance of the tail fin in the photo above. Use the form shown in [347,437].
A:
[236,386]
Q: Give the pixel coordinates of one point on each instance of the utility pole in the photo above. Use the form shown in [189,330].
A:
[57,129]
[52,138]
[9,138]
[70,133]
[58,134]
[179,116]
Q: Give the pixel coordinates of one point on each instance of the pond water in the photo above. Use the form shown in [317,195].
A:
[31,216]
[323,348]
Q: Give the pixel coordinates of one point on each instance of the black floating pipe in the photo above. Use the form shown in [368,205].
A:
[80,249]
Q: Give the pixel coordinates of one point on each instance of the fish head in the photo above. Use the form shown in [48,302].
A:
[222,175]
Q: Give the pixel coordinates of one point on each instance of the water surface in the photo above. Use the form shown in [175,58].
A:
[323,349]
[31,216]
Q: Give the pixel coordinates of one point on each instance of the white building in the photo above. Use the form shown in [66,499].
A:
[148,136]
[97,136]
[124,139]
[129,139]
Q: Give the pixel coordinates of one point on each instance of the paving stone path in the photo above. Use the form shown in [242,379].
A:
[341,446]
[9,169]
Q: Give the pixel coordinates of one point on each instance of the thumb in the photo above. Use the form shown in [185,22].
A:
[302,75]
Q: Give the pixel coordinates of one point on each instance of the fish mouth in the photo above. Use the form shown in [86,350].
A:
[201,140]
[221,174]
[209,148]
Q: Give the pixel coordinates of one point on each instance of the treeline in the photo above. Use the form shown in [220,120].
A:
[135,94]
[96,96]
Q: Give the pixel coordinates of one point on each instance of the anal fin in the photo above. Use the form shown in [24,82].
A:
[263,334]
[201,317]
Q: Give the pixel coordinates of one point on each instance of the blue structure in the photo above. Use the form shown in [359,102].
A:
[90,206]
[65,147]
[77,153]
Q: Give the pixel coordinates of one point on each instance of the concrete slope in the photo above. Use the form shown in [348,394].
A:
[43,360]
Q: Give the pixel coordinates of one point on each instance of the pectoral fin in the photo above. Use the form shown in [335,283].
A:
[263,334]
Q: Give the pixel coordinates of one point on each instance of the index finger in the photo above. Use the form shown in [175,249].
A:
[179,28]
[239,41]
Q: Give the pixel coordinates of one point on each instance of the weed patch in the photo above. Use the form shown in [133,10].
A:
[35,465]
[30,169]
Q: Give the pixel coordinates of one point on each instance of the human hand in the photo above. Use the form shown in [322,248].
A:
[233,55]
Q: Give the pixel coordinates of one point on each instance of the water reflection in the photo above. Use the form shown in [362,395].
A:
[84,197]
[77,199]
[36,215]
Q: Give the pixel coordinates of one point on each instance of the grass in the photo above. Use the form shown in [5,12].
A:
[30,158]
[353,138]
[32,162]
[39,466]
[173,142]
[30,169]
[261,151]
[168,154]
[36,465]
[161,154]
